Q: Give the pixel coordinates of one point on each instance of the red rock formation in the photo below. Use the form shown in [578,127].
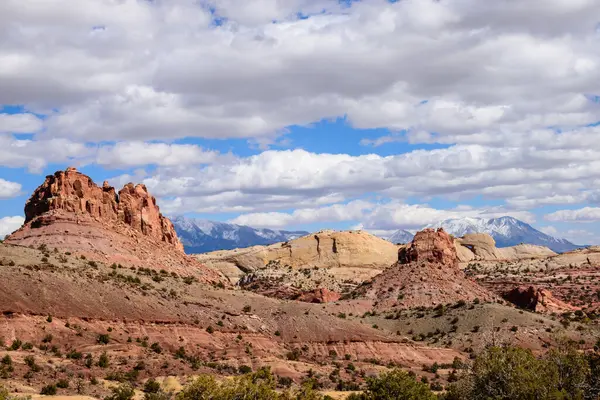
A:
[321,295]
[431,246]
[76,193]
[425,275]
[71,213]
[536,299]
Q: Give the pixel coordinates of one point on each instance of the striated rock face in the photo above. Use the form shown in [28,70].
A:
[426,274]
[74,192]
[536,299]
[71,214]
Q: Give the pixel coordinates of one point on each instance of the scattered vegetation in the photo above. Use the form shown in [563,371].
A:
[260,385]
[394,385]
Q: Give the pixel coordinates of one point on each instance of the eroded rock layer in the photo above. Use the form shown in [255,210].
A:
[76,193]
[536,299]
[70,212]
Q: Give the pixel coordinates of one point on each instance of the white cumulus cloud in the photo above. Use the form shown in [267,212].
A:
[9,189]
[10,224]
[585,214]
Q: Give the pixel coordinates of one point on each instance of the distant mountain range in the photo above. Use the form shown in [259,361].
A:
[201,236]
[506,231]
[400,236]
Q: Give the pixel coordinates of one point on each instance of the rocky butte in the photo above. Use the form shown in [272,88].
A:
[427,273]
[69,211]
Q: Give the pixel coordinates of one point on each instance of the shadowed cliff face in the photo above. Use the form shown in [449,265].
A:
[76,193]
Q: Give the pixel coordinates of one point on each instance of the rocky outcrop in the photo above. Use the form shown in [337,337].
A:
[321,295]
[426,274]
[536,299]
[431,246]
[76,193]
[526,251]
[347,255]
[482,247]
[71,213]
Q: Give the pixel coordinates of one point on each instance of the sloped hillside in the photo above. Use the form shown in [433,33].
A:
[426,274]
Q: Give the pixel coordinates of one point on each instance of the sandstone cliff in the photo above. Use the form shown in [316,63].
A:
[70,212]
[347,255]
[76,193]
[482,247]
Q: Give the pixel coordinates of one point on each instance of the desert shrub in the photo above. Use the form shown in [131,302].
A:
[284,381]
[593,383]
[247,309]
[160,395]
[180,353]
[16,345]
[248,386]
[294,355]
[259,385]
[394,385]
[103,338]
[62,383]
[6,367]
[103,360]
[48,390]
[30,362]
[512,373]
[244,369]
[121,392]
[573,370]
[4,395]
[151,386]
[75,355]
[155,347]
[89,360]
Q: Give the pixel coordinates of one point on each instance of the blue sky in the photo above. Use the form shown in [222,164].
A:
[311,114]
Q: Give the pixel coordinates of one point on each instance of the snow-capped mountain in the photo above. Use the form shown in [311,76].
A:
[506,231]
[400,236]
[201,236]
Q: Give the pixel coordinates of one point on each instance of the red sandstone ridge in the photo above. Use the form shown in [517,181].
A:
[536,299]
[70,212]
[76,193]
[425,275]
